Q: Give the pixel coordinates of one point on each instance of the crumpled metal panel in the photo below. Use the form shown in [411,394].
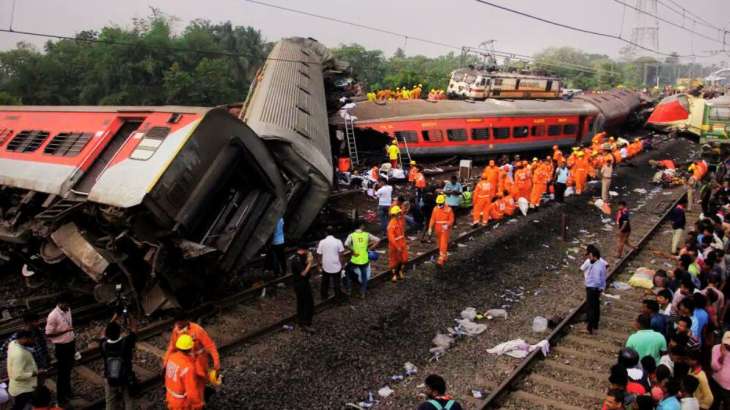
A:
[85,255]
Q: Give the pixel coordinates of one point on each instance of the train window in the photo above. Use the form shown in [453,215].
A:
[554,130]
[457,134]
[67,144]
[537,130]
[720,114]
[570,129]
[480,134]
[483,82]
[5,133]
[27,141]
[520,132]
[432,135]
[470,78]
[501,132]
[497,81]
[458,77]
[150,142]
[407,136]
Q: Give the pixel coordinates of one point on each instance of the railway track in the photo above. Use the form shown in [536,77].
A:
[249,321]
[574,376]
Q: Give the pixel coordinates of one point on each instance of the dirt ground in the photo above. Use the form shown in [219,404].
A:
[522,266]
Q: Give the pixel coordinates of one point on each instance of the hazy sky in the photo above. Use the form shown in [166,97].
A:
[458,22]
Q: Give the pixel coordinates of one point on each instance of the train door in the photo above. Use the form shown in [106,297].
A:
[548,85]
[585,123]
[89,178]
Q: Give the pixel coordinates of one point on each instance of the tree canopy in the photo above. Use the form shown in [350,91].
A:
[208,64]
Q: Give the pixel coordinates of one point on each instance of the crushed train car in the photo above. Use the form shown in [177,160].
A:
[165,199]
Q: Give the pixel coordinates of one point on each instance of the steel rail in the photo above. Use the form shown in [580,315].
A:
[533,357]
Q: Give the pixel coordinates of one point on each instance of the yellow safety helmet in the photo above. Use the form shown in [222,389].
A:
[692,167]
[575,148]
[413,162]
[579,153]
[594,153]
[395,210]
[441,199]
[214,378]
[184,342]
[534,159]
[420,85]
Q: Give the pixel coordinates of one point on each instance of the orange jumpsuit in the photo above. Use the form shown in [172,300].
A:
[420,181]
[491,174]
[182,382]
[204,350]
[598,138]
[497,210]
[668,164]
[523,183]
[571,160]
[481,199]
[539,184]
[616,156]
[442,220]
[558,156]
[374,173]
[580,172]
[412,172]
[397,245]
[509,205]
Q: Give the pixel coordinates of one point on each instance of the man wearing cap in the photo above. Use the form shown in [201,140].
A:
[397,245]
[182,378]
[442,218]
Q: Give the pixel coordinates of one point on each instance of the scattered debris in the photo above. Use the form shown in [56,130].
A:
[385,391]
[539,324]
[495,313]
[621,285]
[519,349]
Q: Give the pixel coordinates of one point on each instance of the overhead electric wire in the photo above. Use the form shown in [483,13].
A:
[693,15]
[671,23]
[578,29]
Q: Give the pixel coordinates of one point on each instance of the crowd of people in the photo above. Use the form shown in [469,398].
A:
[405,93]
[679,356]
[190,364]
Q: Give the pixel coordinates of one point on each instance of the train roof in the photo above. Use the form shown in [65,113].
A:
[106,109]
[504,74]
[376,112]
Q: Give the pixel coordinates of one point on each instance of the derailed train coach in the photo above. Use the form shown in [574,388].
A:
[165,200]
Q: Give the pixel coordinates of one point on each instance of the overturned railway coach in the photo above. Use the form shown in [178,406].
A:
[433,128]
[163,199]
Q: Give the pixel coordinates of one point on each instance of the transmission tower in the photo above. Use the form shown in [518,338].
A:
[646,29]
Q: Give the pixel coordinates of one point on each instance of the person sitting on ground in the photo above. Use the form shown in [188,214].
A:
[646,341]
[435,392]
[689,387]
[703,392]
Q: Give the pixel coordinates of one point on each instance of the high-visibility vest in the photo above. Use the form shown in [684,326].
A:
[360,242]
[466,203]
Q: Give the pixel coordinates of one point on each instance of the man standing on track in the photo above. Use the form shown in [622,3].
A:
[329,253]
[397,244]
[624,228]
[384,193]
[594,274]
[301,267]
[482,199]
[561,180]
[442,218]
[60,331]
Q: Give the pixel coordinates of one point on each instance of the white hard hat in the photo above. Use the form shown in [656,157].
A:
[26,271]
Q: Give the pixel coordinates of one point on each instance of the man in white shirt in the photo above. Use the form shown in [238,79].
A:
[329,256]
[384,193]
[60,331]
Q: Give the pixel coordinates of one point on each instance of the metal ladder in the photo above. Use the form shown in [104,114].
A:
[351,142]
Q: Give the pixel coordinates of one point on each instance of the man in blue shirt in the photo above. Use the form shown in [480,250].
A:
[453,190]
[561,180]
[700,318]
[278,257]
[594,273]
[650,308]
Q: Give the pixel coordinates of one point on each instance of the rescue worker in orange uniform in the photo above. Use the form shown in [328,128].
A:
[595,163]
[540,179]
[204,350]
[182,378]
[491,174]
[698,169]
[498,208]
[397,244]
[557,154]
[523,182]
[598,138]
[442,220]
[572,157]
[580,172]
[505,180]
[374,174]
[412,172]
[481,198]
[509,203]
